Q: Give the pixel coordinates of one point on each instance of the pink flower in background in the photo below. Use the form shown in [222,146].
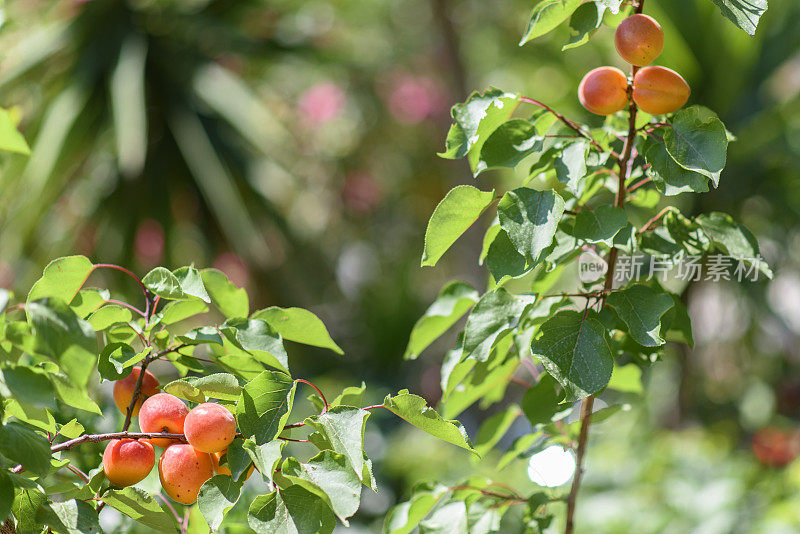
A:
[361,192]
[233,266]
[7,276]
[321,103]
[412,99]
[149,242]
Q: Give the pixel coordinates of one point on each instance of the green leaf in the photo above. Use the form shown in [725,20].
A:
[62,278]
[10,138]
[65,338]
[72,395]
[448,519]
[40,418]
[530,218]
[486,380]
[108,315]
[341,429]
[731,238]
[570,164]
[298,325]
[541,402]
[744,13]
[117,359]
[641,308]
[217,496]
[6,494]
[613,5]
[222,386]
[504,260]
[231,300]
[415,411]
[697,141]
[265,456]
[28,386]
[457,211]
[452,303]
[575,351]
[405,517]
[180,310]
[88,300]
[600,225]
[264,405]
[141,507]
[24,446]
[584,22]
[26,507]
[202,335]
[496,313]
[474,122]
[191,283]
[258,339]
[494,428]
[74,517]
[547,15]
[167,285]
[510,143]
[71,430]
[670,177]
[293,510]
[329,476]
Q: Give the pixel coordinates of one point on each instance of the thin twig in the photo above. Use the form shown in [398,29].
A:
[655,219]
[640,183]
[570,124]
[325,408]
[121,303]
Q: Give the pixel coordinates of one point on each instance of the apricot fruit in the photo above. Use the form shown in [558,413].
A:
[776,447]
[604,90]
[659,90]
[163,413]
[128,461]
[210,427]
[123,390]
[639,39]
[182,469]
[216,458]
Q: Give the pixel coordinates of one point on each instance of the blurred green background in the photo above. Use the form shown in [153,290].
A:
[292,145]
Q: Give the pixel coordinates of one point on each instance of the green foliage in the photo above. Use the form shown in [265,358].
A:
[569,197]
[54,342]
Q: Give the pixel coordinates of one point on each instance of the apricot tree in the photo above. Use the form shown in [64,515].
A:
[228,416]
[571,252]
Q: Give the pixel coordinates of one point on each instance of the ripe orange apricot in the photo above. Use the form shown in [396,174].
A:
[182,469]
[163,413]
[776,447]
[639,39]
[604,90]
[128,461]
[210,427]
[216,458]
[659,90]
[123,390]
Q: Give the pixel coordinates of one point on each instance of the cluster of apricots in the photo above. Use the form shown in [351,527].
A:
[656,90]
[208,427]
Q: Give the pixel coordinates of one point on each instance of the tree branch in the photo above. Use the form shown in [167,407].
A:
[625,164]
